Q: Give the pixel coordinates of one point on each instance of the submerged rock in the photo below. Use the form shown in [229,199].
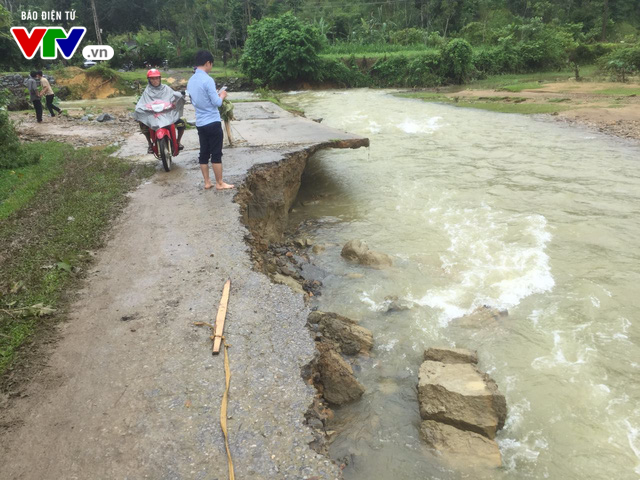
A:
[338,384]
[471,448]
[461,396]
[460,406]
[393,304]
[358,251]
[347,336]
[450,355]
[288,281]
[483,316]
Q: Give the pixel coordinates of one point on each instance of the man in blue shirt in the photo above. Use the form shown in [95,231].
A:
[206,100]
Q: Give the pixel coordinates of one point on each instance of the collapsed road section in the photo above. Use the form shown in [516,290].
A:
[131,390]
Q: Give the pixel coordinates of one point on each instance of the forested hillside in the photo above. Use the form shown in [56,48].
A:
[505,35]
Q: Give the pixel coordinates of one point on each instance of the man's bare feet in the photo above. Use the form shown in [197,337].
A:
[207,186]
[224,186]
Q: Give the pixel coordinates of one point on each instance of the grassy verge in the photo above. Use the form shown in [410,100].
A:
[619,91]
[492,104]
[526,81]
[53,215]
[374,55]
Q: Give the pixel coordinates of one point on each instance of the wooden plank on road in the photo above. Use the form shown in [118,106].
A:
[222,313]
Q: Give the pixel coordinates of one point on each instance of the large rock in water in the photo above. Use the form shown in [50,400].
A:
[348,337]
[358,251]
[468,448]
[461,407]
[339,385]
[461,396]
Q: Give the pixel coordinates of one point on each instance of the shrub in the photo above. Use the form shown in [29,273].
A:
[407,36]
[102,71]
[12,155]
[155,46]
[456,59]
[621,63]
[186,57]
[424,71]
[390,71]
[280,50]
[336,71]
[495,60]
[435,40]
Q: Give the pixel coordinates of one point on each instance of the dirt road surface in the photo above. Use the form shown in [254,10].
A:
[132,390]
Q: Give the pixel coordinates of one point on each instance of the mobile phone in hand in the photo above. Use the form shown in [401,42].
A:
[222,89]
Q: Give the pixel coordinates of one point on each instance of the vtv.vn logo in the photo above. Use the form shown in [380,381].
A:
[50,39]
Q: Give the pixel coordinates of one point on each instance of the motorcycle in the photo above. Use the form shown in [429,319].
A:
[164,144]
[164,141]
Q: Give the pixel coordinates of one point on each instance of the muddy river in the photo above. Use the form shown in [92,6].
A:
[479,208]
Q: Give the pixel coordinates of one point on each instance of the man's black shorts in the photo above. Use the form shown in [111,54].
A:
[210,143]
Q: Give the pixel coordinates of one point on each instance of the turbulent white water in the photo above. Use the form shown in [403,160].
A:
[479,208]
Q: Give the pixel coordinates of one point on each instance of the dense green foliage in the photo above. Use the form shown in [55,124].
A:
[506,36]
[456,60]
[279,50]
[622,62]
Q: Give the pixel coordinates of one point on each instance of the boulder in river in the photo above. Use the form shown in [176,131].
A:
[450,355]
[460,406]
[461,396]
[393,304]
[470,448]
[348,337]
[358,251]
[337,382]
[483,316]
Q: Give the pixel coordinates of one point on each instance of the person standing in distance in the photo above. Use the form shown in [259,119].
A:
[47,92]
[206,100]
[32,85]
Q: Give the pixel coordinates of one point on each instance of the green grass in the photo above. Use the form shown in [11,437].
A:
[521,108]
[497,82]
[621,91]
[17,187]
[346,49]
[53,213]
[375,54]
[518,87]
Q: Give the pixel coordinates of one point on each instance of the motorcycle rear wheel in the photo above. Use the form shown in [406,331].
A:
[165,153]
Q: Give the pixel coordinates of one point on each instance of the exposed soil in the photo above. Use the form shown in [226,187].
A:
[89,87]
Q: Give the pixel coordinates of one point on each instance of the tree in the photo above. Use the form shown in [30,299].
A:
[283,49]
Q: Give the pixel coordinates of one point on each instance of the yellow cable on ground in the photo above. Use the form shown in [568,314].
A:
[225,397]
[223,408]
